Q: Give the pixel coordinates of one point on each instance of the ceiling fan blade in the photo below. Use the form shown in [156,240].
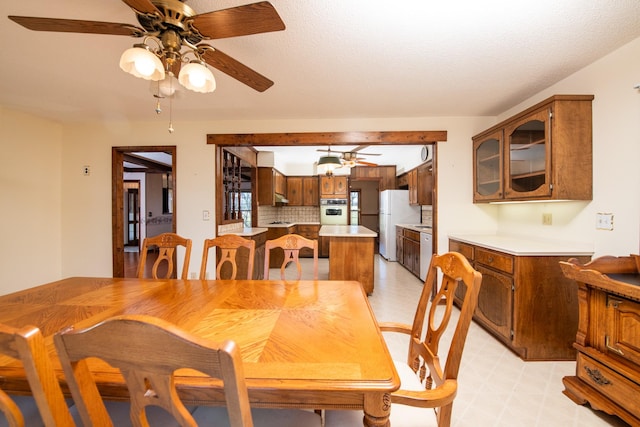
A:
[77,26]
[142,6]
[235,69]
[331,151]
[360,162]
[239,21]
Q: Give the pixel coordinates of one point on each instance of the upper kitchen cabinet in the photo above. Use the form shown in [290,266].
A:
[385,174]
[302,191]
[333,187]
[420,183]
[487,167]
[272,186]
[543,153]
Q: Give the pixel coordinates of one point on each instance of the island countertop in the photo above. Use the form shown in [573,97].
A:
[346,231]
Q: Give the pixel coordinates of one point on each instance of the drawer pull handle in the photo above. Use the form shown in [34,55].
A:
[615,350]
[490,259]
[597,376]
[615,303]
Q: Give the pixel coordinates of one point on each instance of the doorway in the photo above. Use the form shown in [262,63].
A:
[139,162]
[132,214]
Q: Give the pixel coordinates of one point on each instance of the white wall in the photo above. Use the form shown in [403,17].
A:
[62,219]
[30,201]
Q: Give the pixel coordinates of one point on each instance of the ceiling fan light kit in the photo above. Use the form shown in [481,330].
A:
[174,27]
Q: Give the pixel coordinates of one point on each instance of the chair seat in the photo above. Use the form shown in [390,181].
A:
[401,415]
[217,416]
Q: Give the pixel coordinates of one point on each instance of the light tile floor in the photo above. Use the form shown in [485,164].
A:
[496,388]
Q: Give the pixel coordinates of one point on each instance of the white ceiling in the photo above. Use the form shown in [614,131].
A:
[336,58]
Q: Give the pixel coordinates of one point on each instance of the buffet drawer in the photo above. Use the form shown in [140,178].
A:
[495,260]
[609,383]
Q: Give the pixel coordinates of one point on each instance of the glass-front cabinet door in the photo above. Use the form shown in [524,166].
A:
[528,156]
[487,174]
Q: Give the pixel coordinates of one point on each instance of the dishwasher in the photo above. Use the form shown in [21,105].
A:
[426,251]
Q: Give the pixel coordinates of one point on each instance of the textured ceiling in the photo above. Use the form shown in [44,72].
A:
[335,59]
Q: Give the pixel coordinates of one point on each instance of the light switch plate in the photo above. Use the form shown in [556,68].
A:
[604,221]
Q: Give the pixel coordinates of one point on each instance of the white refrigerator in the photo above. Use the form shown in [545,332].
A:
[394,209]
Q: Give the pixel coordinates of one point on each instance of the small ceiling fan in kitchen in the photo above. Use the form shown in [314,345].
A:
[352,158]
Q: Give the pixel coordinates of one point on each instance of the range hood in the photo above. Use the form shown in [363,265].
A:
[280,199]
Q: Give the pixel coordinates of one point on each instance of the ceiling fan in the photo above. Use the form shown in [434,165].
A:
[352,158]
[173,26]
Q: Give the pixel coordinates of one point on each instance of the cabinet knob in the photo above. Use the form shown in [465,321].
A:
[490,259]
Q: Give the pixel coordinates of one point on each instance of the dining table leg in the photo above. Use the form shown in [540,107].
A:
[377,407]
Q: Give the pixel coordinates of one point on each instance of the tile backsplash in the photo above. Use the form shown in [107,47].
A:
[269,214]
[427,215]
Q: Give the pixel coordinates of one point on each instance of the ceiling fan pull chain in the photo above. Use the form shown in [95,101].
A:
[170,114]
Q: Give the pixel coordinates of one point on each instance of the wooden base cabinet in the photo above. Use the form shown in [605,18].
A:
[408,249]
[310,231]
[276,257]
[608,338]
[524,301]
[242,260]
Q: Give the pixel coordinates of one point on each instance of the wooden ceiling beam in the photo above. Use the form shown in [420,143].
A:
[328,138]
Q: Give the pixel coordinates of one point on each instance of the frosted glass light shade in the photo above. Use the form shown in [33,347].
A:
[140,62]
[165,87]
[197,77]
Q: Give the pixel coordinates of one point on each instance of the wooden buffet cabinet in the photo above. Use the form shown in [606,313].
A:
[525,301]
[608,338]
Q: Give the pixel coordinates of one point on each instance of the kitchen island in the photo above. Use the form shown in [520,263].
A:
[350,253]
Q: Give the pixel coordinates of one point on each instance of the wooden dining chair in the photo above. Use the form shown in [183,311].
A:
[228,246]
[291,244]
[166,243]
[46,405]
[424,382]
[148,351]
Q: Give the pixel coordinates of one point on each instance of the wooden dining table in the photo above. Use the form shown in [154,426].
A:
[305,344]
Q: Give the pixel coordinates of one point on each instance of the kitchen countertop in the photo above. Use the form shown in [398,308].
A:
[420,228]
[346,231]
[245,232]
[288,224]
[526,246]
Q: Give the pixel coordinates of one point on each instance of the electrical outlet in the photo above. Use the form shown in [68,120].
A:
[86,170]
[546,219]
[604,221]
[193,275]
[206,215]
